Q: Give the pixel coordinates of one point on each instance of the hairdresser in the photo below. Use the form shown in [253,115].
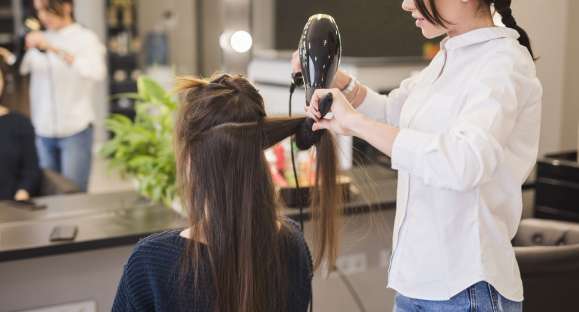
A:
[463,135]
[65,62]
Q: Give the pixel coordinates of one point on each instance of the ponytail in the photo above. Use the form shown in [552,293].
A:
[503,7]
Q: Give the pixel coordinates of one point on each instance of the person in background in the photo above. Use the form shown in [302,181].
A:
[65,63]
[19,170]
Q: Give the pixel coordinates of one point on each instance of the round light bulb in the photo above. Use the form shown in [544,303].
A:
[241,41]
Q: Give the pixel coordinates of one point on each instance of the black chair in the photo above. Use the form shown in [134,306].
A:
[557,187]
[548,255]
[53,183]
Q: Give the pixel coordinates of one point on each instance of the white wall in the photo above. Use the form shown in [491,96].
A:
[546,23]
[182,39]
[554,32]
[571,97]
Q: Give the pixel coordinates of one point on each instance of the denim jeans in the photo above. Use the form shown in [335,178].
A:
[70,156]
[481,297]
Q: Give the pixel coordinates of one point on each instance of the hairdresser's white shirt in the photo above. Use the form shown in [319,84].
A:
[468,141]
[61,95]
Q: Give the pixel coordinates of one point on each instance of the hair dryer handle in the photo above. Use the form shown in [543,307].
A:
[326,104]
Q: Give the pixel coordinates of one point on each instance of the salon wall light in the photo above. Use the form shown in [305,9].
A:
[239,41]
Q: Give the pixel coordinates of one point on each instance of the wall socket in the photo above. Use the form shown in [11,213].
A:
[352,264]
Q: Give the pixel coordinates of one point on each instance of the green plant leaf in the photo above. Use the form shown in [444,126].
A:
[142,149]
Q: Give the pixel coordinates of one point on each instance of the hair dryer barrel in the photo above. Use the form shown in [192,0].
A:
[320,51]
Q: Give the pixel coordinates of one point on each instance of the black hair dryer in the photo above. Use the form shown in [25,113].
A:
[320,51]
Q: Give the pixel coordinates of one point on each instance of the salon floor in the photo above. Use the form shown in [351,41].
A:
[366,243]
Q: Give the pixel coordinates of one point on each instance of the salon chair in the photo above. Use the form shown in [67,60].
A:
[53,183]
[548,255]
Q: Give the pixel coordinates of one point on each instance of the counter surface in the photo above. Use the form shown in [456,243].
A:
[122,218]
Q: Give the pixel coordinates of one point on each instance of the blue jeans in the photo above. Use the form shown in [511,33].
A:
[70,156]
[480,297]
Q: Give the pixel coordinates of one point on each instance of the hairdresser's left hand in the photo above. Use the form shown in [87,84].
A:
[36,39]
[344,113]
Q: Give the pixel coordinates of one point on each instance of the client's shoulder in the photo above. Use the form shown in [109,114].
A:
[297,243]
[157,248]
[294,230]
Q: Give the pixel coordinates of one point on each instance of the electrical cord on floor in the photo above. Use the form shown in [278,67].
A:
[353,293]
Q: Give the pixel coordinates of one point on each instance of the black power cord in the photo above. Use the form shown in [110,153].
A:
[292,139]
[297,80]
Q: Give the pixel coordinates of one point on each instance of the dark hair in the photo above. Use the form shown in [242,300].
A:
[57,7]
[503,7]
[225,184]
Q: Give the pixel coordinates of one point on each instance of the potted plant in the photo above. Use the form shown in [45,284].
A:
[142,149]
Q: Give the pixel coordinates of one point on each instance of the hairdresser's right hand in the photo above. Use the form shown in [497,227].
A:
[344,114]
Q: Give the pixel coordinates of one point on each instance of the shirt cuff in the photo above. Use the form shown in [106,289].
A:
[408,148]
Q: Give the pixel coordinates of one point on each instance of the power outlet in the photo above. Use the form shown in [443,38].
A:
[352,264]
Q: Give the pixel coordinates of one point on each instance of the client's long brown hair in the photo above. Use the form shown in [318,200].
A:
[225,183]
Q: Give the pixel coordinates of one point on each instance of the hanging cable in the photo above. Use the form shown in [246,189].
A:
[350,288]
[292,154]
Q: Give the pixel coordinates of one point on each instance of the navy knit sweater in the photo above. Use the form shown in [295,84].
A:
[152,279]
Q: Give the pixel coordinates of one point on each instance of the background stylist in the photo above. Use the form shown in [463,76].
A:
[65,62]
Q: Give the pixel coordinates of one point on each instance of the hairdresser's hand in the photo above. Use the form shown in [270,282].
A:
[36,39]
[344,113]
[22,194]
[8,57]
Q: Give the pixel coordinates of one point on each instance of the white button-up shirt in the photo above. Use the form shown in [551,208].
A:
[61,95]
[469,138]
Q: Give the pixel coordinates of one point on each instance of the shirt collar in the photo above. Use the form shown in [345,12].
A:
[66,29]
[478,36]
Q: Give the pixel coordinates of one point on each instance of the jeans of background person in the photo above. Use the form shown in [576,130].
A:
[70,156]
[481,297]
[156,49]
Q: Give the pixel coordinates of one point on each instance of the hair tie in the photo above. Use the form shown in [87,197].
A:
[507,16]
[505,12]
